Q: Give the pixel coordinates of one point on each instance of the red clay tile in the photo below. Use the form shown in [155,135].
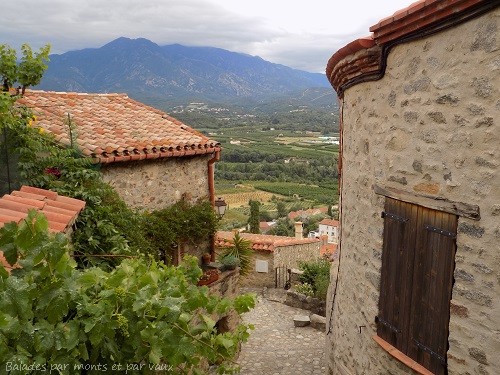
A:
[60,211]
[34,203]
[71,201]
[349,64]
[47,193]
[107,123]
[263,242]
[23,194]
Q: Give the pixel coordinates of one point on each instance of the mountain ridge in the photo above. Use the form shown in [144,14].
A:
[175,73]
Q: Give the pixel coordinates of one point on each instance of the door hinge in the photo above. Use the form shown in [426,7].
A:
[440,231]
[387,324]
[394,217]
[440,358]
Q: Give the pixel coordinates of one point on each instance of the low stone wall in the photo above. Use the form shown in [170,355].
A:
[290,256]
[227,286]
[315,305]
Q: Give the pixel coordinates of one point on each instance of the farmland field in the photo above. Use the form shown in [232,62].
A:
[287,158]
[241,199]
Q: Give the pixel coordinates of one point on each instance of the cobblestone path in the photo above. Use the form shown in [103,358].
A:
[277,347]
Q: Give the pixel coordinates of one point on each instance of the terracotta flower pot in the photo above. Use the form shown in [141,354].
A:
[209,277]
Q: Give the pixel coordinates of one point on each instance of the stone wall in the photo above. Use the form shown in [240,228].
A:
[260,279]
[228,287]
[156,184]
[282,256]
[290,256]
[301,301]
[430,126]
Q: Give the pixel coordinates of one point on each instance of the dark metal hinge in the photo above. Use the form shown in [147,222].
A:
[440,231]
[387,324]
[394,217]
[440,358]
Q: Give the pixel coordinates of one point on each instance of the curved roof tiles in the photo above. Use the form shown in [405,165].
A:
[364,59]
[113,127]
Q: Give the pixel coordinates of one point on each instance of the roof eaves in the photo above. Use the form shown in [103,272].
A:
[353,64]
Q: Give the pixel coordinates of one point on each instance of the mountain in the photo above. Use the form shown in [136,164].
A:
[175,74]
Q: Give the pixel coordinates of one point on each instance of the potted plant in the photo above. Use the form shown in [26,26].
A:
[206,258]
[209,276]
[230,262]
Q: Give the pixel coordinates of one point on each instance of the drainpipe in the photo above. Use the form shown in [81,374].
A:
[211,193]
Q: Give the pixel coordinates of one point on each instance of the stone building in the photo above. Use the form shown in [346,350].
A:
[416,288]
[273,255]
[329,228]
[149,157]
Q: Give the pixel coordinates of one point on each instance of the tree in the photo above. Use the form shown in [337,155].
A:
[32,67]
[8,66]
[30,70]
[284,227]
[280,206]
[253,220]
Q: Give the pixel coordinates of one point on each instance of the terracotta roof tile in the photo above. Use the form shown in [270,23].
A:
[262,242]
[330,222]
[113,127]
[328,249]
[60,211]
[362,59]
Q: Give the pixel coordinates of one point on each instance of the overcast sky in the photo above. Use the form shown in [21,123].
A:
[299,34]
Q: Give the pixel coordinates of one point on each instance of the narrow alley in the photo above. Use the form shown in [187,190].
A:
[276,346]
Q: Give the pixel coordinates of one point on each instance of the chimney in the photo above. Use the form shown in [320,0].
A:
[298,229]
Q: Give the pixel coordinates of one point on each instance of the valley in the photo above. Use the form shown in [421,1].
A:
[283,157]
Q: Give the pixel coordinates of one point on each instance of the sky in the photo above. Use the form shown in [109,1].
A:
[299,34]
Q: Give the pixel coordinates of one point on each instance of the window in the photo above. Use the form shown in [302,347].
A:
[418,260]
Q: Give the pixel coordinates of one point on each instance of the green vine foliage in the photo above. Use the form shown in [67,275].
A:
[107,226]
[140,317]
[191,224]
[317,276]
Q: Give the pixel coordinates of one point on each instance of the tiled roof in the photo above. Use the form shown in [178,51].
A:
[60,211]
[113,127]
[328,249]
[364,59]
[330,222]
[262,242]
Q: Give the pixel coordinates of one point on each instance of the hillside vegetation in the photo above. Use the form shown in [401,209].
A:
[264,163]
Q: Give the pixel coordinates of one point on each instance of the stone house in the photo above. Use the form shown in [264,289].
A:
[150,158]
[418,282]
[273,255]
[329,228]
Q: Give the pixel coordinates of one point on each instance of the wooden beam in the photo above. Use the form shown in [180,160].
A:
[467,210]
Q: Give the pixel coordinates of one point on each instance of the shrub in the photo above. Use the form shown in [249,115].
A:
[180,223]
[316,274]
[305,289]
[229,261]
[241,249]
[140,313]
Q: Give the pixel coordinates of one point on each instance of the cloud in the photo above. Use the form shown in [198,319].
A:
[298,35]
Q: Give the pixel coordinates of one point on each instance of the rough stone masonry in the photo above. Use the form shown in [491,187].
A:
[429,127]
